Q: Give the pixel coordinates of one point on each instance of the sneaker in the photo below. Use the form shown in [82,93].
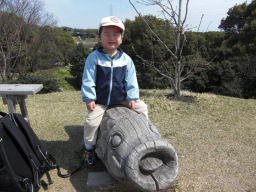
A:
[90,158]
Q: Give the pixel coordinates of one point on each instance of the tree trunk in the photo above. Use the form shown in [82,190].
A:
[177,23]
[178,53]
[178,79]
[3,73]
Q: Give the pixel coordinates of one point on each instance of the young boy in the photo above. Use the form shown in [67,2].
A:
[109,78]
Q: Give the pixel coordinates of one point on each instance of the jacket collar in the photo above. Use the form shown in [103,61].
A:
[120,51]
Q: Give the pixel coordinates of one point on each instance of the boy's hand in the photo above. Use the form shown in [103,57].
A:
[91,106]
[132,105]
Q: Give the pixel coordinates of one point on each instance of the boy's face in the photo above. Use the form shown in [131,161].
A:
[110,37]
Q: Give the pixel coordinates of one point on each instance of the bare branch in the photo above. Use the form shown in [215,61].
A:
[200,23]
[197,46]
[165,10]
[181,50]
[2,3]
[147,2]
[186,14]
[17,18]
[175,71]
[169,50]
[174,14]
[146,62]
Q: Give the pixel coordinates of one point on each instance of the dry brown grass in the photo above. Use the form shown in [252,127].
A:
[214,136]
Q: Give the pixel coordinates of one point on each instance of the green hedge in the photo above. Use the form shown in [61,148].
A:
[50,83]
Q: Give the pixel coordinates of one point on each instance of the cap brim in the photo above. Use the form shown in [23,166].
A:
[106,25]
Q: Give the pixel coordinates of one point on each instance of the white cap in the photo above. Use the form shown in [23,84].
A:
[112,21]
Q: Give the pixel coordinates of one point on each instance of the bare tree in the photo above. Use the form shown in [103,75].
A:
[175,74]
[18,18]
[2,2]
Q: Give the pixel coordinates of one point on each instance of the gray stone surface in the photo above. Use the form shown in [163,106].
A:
[20,89]
[133,151]
[98,180]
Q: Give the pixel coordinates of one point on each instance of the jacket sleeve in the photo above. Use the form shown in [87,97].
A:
[131,85]
[88,91]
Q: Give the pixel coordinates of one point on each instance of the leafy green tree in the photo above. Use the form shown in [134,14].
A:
[65,44]
[173,67]
[227,83]
[199,81]
[240,42]
[52,48]
[213,46]
[77,62]
[246,73]
[249,81]
[239,27]
[235,21]
[146,51]
[143,47]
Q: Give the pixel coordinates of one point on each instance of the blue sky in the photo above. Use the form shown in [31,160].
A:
[86,14]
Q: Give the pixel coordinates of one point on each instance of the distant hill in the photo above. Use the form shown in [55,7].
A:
[82,33]
[88,37]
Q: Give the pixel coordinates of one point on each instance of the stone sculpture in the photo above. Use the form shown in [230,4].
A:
[133,151]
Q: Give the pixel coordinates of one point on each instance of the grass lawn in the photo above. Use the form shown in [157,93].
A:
[214,136]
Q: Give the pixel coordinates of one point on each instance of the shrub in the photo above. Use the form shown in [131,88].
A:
[77,62]
[50,83]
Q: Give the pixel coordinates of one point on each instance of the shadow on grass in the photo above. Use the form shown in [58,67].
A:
[69,156]
[182,98]
[73,82]
[170,96]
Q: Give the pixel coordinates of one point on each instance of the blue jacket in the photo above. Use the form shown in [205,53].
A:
[109,81]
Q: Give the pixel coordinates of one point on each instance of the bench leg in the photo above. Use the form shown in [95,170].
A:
[11,102]
[23,107]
